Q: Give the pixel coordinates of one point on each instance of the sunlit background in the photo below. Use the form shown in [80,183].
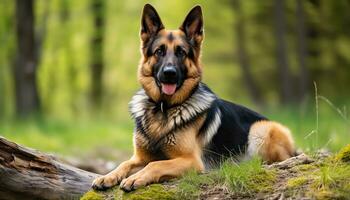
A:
[289,60]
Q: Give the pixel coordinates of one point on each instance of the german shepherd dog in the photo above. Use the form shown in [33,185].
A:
[181,124]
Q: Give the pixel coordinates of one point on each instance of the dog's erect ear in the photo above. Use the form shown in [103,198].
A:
[150,23]
[193,24]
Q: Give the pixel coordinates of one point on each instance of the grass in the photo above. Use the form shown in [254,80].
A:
[245,178]
[70,138]
[332,180]
[189,185]
[329,179]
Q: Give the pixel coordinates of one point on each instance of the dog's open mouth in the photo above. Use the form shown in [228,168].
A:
[168,89]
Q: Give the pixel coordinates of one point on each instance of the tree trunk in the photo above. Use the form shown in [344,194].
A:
[27,98]
[97,64]
[243,56]
[286,94]
[29,174]
[302,52]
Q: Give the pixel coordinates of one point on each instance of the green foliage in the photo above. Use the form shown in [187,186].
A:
[64,76]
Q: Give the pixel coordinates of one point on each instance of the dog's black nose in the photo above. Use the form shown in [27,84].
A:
[169,72]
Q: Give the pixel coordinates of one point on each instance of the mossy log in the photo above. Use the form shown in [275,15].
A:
[29,174]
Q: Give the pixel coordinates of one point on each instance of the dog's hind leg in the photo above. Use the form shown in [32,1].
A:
[271,141]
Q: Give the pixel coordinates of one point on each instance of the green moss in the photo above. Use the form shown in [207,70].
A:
[296,182]
[155,191]
[324,194]
[306,167]
[344,154]
[263,181]
[330,194]
[92,195]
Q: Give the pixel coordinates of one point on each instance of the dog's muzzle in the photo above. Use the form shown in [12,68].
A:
[168,77]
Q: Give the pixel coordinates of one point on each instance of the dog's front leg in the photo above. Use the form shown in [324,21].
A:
[122,171]
[161,170]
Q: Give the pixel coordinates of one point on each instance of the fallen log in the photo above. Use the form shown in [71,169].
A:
[29,174]
[292,162]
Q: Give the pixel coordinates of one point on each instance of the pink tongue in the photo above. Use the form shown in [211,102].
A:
[168,89]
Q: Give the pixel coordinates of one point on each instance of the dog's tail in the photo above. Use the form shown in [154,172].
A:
[270,140]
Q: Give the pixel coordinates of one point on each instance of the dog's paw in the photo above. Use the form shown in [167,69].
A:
[105,182]
[134,182]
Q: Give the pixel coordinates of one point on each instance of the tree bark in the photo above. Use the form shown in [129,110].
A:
[29,174]
[286,95]
[97,64]
[27,98]
[243,56]
[302,51]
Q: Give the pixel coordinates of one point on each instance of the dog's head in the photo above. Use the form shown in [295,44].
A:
[170,67]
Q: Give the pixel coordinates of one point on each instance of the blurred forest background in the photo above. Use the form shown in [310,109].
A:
[68,68]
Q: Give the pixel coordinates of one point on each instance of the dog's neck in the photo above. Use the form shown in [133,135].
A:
[156,121]
[200,100]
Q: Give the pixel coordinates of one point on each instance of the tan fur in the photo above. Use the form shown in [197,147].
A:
[270,140]
[143,168]
[183,156]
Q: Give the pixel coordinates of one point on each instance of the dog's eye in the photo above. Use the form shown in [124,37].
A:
[180,52]
[159,52]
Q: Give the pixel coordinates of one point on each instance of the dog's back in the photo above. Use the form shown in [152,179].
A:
[236,130]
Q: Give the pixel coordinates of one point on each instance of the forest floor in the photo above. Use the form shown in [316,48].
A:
[319,175]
